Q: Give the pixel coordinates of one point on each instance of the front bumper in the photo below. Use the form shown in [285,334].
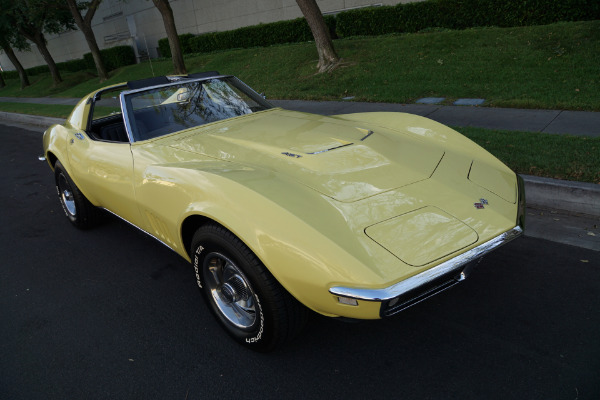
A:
[417,288]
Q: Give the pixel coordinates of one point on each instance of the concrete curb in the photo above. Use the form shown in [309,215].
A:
[576,197]
[30,119]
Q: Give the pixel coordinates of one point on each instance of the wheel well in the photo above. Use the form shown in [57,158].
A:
[51,159]
[190,226]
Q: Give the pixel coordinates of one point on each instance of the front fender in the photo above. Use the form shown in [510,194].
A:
[55,145]
[297,233]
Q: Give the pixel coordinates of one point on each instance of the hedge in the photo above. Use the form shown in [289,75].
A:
[113,58]
[408,17]
[462,14]
[291,31]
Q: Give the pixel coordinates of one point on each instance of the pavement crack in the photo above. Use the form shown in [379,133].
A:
[549,123]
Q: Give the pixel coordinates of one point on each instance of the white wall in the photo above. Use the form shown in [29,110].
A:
[119,22]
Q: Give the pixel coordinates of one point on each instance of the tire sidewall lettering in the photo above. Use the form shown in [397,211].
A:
[259,334]
[62,203]
[197,254]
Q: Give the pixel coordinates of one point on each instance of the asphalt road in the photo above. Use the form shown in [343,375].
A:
[112,314]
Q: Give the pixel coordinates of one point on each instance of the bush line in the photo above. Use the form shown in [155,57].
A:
[401,18]
[114,57]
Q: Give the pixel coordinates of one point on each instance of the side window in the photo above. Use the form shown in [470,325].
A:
[106,119]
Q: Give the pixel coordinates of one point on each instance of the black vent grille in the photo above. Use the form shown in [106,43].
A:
[400,303]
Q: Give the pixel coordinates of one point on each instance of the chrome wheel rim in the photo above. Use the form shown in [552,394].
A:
[66,195]
[230,290]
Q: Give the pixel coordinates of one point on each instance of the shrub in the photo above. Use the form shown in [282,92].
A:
[40,69]
[113,57]
[184,42]
[461,14]
[72,65]
[291,31]
[10,74]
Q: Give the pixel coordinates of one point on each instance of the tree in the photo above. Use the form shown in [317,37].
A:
[2,83]
[8,40]
[31,18]
[328,58]
[167,15]
[84,23]
[5,44]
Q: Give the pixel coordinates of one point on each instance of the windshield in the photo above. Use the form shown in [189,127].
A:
[160,111]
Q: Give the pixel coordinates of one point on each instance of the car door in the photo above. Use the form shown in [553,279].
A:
[103,171]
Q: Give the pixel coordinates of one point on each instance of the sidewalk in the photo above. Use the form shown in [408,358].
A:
[582,123]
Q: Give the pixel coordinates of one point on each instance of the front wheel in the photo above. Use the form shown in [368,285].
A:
[242,294]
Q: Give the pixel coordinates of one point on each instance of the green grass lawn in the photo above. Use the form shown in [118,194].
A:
[50,110]
[567,157]
[551,67]
[46,110]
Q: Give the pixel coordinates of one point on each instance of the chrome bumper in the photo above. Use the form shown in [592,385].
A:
[457,266]
[417,288]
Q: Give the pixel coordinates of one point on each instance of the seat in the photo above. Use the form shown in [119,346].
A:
[113,132]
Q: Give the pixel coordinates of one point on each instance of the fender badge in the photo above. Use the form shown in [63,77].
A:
[79,136]
[481,204]
[291,155]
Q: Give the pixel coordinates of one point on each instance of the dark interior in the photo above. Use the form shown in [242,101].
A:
[109,129]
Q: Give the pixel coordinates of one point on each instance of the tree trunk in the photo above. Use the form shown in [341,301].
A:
[328,58]
[40,41]
[85,26]
[93,45]
[15,62]
[167,15]
[2,83]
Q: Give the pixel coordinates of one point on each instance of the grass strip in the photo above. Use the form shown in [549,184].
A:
[550,67]
[45,110]
[50,110]
[573,158]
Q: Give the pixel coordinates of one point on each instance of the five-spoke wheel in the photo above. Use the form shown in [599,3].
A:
[242,294]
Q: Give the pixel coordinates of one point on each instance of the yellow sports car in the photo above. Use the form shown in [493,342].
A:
[356,216]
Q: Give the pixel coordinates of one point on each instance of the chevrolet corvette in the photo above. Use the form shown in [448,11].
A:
[354,216]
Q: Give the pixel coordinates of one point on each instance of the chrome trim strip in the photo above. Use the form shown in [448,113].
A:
[138,228]
[454,264]
[125,116]
[333,148]
[179,82]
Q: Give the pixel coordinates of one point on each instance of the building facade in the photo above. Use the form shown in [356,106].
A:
[139,24]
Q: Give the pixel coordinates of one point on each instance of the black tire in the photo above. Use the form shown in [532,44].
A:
[245,298]
[76,206]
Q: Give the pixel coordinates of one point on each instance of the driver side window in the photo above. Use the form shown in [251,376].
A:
[106,120]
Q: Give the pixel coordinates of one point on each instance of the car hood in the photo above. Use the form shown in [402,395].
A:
[344,160]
